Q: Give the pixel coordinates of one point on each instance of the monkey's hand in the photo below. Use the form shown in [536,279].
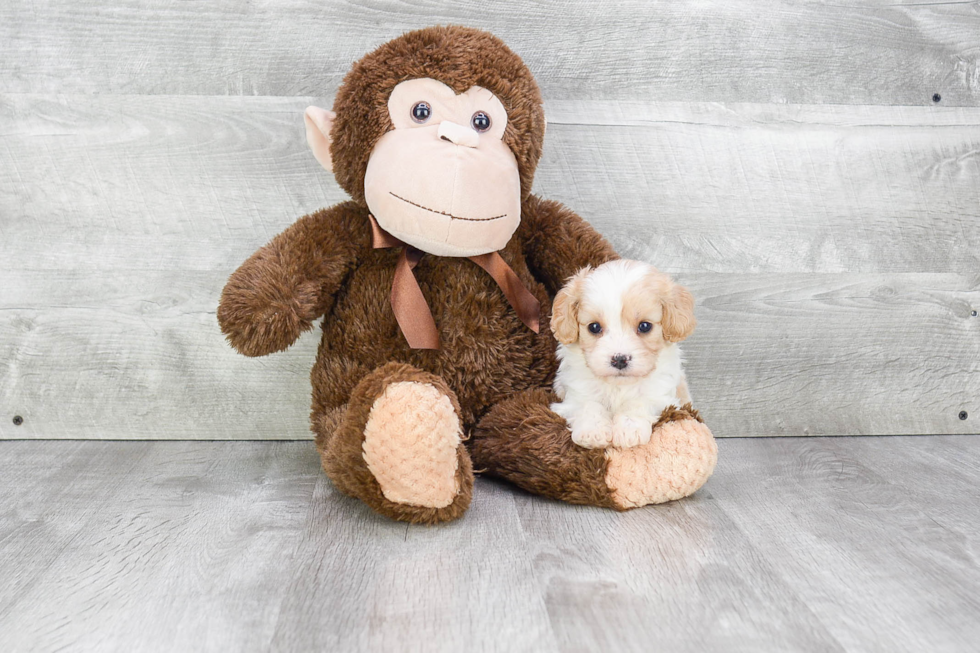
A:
[285,286]
[262,312]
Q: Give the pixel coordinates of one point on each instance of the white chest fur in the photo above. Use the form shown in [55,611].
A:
[593,406]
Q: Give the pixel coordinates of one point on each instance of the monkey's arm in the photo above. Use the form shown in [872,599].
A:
[558,243]
[281,289]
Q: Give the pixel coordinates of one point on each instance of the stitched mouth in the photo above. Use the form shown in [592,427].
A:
[448,215]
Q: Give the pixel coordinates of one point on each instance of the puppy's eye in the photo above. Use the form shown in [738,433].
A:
[595,328]
[421,111]
[644,327]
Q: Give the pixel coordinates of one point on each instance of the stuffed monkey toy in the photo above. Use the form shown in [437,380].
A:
[435,285]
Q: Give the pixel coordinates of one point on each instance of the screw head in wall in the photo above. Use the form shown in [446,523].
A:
[18,420]
[936,97]
[964,414]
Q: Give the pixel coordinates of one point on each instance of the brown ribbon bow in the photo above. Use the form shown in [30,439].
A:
[411,310]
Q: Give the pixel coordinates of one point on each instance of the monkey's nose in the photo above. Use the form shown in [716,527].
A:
[458,135]
[620,361]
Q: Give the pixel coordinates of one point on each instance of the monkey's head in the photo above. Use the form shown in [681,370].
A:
[438,132]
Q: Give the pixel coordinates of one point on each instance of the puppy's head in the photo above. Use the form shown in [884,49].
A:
[622,314]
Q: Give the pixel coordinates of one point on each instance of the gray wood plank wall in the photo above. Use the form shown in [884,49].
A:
[785,160]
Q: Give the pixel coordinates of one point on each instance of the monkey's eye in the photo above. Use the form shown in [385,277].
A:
[480,121]
[595,328]
[421,111]
[644,327]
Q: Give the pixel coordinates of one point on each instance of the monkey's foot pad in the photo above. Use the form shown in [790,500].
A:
[410,443]
[676,462]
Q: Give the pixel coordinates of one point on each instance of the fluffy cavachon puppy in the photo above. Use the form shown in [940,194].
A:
[435,285]
[620,365]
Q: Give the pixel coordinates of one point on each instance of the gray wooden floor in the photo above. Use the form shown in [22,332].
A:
[796,544]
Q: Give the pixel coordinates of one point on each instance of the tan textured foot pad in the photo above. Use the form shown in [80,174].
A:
[410,443]
[677,461]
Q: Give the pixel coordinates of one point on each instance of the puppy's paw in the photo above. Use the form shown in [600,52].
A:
[595,436]
[629,431]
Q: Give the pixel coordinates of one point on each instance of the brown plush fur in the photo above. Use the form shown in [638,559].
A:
[674,414]
[486,355]
[324,265]
[281,289]
[522,441]
[325,262]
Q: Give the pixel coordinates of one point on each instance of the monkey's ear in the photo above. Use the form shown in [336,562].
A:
[318,124]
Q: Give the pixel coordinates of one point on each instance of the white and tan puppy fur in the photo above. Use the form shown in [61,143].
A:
[618,326]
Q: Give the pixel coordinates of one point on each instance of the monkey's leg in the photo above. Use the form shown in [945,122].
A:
[522,441]
[396,445]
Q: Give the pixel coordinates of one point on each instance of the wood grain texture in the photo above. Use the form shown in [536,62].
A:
[681,577]
[835,354]
[369,584]
[141,356]
[115,553]
[865,52]
[773,355]
[198,183]
[766,188]
[801,544]
[833,251]
[860,530]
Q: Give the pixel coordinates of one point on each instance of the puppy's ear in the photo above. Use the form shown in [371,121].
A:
[678,321]
[319,122]
[564,310]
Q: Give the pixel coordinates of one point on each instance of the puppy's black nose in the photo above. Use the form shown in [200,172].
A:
[620,361]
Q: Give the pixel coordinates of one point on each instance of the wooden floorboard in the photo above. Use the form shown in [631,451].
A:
[856,540]
[795,544]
